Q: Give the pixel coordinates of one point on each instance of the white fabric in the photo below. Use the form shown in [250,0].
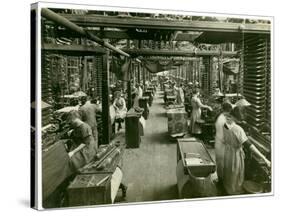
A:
[221,120]
[140,92]
[219,144]
[239,132]
[115,183]
[112,113]
[142,125]
[142,121]
[181,94]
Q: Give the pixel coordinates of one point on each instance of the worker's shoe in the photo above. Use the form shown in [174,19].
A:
[124,190]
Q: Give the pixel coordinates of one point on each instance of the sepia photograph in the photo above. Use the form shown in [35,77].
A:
[140,106]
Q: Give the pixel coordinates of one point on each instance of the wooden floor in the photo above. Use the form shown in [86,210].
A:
[150,171]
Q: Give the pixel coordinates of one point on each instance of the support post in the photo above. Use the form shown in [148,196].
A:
[220,62]
[129,93]
[143,76]
[105,101]
[139,70]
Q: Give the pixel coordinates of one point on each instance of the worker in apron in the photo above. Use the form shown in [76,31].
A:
[219,142]
[196,105]
[120,108]
[235,140]
[83,148]
[179,94]
[88,113]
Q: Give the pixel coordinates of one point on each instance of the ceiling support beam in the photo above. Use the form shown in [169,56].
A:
[49,14]
[163,24]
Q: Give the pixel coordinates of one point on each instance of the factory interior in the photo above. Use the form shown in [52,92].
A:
[142,107]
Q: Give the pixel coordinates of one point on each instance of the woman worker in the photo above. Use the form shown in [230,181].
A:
[83,148]
[120,107]
[83,151]
[219,142]
[196,105]
[235,140]
[180,94]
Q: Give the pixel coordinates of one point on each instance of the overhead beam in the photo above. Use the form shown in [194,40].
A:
[110,34]
[187,53]
[73,49]
[164,24]
[126,34]
[58,19]
[186,37]
[185,59]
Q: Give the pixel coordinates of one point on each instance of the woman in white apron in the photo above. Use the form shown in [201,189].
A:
[120,107]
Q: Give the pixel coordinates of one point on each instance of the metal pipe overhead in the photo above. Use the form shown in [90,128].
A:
[47,13]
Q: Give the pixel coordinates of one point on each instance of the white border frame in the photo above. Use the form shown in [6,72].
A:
[42,4]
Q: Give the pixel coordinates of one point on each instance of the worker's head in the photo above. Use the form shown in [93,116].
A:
[134,95]
[72,117]
[94,100]
[226,107]
[118,94]
[84,99]
[234,115]
[196,91]
[217,90]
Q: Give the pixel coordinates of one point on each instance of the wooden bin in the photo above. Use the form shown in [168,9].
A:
[192,148]
[177,121]
[132,129]
[84,191]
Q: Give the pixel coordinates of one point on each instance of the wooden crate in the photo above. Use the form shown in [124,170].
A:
[177,121]
[84,190]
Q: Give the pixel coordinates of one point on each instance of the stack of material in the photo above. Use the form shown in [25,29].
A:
[47,108]
[177,121]
[107,159]
[47,112]
[55,168]
[256,79]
